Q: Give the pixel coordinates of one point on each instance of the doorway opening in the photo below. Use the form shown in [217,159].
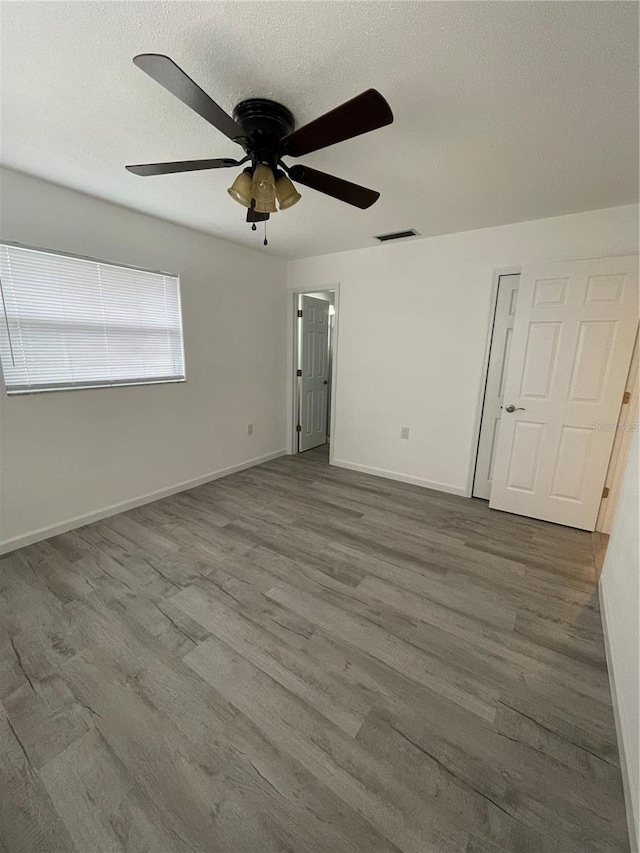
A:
[500,347]
[314,355]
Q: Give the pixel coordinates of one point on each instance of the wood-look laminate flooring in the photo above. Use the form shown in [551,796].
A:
[303,659]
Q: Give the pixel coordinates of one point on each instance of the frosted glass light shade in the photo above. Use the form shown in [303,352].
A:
[263,188]
[265,206]
[240,189]
[286,193]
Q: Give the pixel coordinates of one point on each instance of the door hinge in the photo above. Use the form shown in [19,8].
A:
[626,397]
[605,492]
[298,373]
[299,312]
[298,428]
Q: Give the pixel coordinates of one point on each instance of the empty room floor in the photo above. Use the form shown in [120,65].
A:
[301,658]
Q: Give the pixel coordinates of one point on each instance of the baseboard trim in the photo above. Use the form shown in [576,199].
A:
[624,767]
[402,478]
[8,545]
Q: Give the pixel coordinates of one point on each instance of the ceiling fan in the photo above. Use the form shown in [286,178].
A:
[266,131]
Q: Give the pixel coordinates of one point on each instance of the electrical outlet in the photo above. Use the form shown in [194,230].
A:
[404,432]
[249,429]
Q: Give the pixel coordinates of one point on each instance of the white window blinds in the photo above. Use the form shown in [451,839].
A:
[70,322]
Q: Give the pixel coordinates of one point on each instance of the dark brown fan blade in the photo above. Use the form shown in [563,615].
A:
[172,77]
[361,114]
[181,166]
[254,216]
[330,185]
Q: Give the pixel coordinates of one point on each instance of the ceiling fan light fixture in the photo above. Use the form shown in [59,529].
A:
[240,189]
[263,188]
[286,193]
[266,132]
[265,206]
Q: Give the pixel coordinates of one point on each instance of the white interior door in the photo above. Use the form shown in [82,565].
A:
[314,365]
[496,377]
[572,341]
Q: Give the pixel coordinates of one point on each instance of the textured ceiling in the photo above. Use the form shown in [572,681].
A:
[504,111]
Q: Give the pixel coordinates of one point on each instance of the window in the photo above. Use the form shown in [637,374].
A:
[72,322]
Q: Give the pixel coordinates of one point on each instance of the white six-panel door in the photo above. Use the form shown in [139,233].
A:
[572,342]
[314,363]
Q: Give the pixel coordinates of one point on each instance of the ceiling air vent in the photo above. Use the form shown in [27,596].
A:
[397,235]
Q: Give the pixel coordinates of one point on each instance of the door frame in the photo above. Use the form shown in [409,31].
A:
[621,443]
[292,348]
[497,274]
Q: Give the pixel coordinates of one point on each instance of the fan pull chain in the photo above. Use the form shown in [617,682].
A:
[254,227]
[266,243]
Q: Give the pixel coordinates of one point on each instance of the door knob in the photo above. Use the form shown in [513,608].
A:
[326,382]
[511,408]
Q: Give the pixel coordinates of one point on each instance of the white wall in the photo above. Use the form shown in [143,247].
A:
[74,453]
[620,598]
[413,327]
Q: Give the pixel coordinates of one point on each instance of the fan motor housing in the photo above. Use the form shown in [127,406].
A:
[265,122]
